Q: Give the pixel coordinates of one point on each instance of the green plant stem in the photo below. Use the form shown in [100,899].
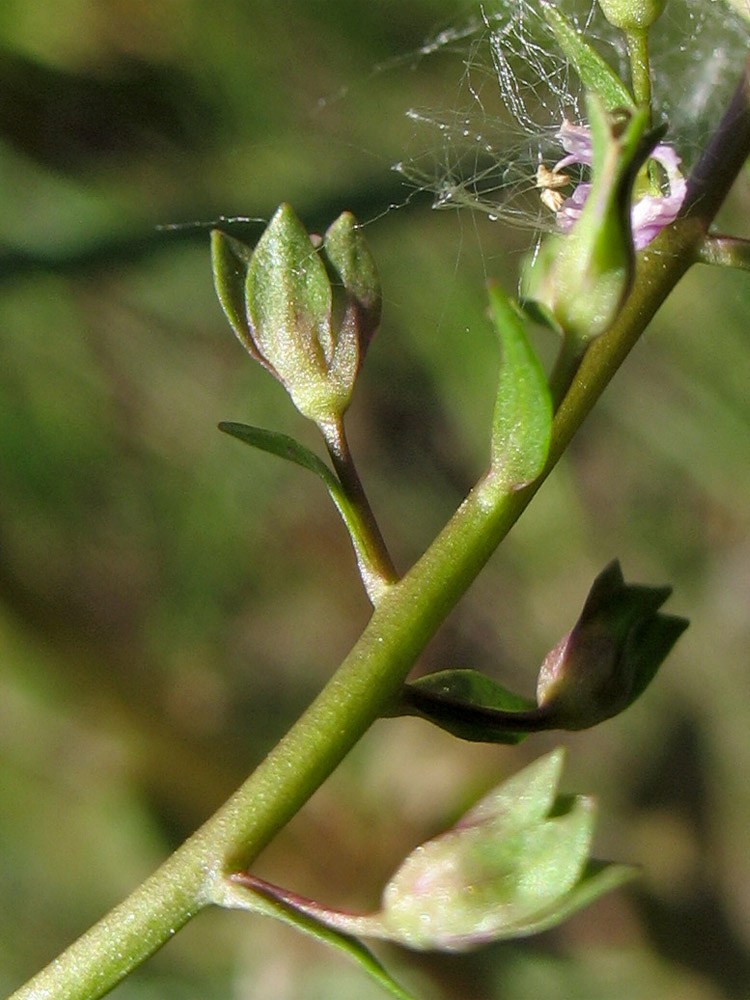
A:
[568,361]
[406,617]
[640,72]
[724,251]
[375,564]
[369,678]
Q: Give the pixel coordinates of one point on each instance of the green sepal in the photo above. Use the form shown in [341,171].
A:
[595,74]
[230,260]
[289,301]
[468,704]
[347,252]
[522,421]
[239,892]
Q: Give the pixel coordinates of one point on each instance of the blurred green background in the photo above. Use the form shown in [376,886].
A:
[171,600]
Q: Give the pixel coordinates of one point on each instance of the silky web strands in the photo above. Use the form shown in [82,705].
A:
[515,89]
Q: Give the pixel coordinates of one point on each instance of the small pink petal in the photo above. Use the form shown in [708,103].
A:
[649,215]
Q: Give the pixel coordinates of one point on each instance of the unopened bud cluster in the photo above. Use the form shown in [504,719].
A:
[309,331]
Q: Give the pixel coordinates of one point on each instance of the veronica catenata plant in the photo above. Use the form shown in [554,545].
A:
[625,221]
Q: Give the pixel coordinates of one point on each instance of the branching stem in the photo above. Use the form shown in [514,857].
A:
[405,618]
[375,564]
[724,251]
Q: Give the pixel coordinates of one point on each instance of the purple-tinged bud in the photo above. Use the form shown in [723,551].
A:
[610,656]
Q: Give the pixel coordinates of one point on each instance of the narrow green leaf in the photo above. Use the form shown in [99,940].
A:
[286,447]
[241,896]
[472,686]
[468,704]
[522,423]
[596,75]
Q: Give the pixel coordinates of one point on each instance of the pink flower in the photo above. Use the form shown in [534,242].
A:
[649,214]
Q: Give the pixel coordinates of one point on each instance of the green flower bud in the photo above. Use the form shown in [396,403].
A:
[502,866]
[311,335]
[632,15]
[610,656]
[515,864]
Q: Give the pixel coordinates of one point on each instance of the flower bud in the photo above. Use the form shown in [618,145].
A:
[632,15]
[515,864]
[280,301]
[610,656]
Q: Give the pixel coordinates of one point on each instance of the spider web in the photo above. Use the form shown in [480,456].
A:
[515,88]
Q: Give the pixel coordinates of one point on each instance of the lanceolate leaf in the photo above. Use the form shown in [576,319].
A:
[596,75]
[286,447]
[523,410]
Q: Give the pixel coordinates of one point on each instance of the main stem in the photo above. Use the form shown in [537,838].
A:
[402,623]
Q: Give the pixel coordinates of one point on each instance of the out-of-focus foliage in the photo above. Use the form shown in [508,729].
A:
[169,601]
